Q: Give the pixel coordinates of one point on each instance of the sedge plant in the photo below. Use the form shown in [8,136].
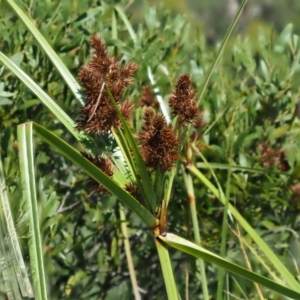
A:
[141,168]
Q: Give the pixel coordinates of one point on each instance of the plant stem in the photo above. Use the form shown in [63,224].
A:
[134,283]
[224,42]
[221,274]
[199,262]
[166,266]
[277,263]
[25,139]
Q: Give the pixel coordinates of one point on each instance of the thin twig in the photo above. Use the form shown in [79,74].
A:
[224,42]
[64,200]
[97,103]
[69,207]
[187,279]
[248,264]
[62,208]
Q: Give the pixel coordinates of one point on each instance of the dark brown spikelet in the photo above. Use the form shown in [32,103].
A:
[99,115]
[104,164]
[159,145]
[273,157]
[182,101]
[147,98]
[199,123]
[267,155]
[283,164]
[295,191]
[133,190]
[126,108]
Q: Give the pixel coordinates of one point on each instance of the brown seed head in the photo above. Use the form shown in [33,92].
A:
[296,190]
[182,101]
[105,165]
[132,189]
[147,98]
[159,145]
[99,115]
[271,157]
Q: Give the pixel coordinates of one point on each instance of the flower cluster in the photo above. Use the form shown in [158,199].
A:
[104,164]
[132,189]
[273,157]
[99,115]
[159,145]
[182,101]
[147,98]
[157,140]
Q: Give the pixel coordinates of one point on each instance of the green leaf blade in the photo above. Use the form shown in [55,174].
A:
[29,193]
[66,75]
[292,282]
[44,98]
[145,178]
[74,156]
[186,246]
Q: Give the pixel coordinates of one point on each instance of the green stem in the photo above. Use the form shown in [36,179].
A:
[133,279]
[277,263]
[168,184]
[221,275]
[224,42]
[199,262]
[27,172]
[167,271]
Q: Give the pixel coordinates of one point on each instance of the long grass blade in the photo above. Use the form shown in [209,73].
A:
[46,99]
[186,246]
[148,190]
[94,172]
[8,276]
[60,66]
[25,139]
[167,270]
[188,181]
[291,281]
[211,165]
[224,42]
[224,233]
[127,23]
[129,259]
[11,257]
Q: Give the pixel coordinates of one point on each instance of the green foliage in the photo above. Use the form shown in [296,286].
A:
[251,99]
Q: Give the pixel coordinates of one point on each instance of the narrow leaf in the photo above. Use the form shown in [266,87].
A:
[46,100]
[60,66]
[10,250]
[224,42]
[144,176]
[94,172]
[186,246]
[129,257]
[29,193]
[127,23]
[167,270]
[291,281]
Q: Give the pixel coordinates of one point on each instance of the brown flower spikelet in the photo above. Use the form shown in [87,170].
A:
[182,101]
[272,157]
[104,164]
[99,115]
[133,190]
[147,98]
[159,145]
[296,191]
